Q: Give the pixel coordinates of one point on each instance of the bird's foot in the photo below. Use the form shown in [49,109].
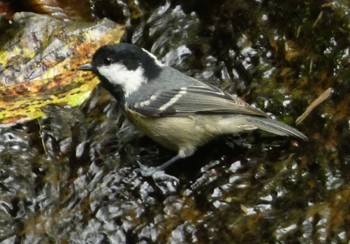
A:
[165,182]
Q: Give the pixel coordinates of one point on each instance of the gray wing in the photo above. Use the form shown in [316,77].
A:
[197,98]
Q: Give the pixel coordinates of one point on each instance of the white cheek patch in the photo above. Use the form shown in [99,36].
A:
[118,74]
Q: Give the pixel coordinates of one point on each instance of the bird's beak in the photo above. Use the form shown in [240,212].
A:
[87,66]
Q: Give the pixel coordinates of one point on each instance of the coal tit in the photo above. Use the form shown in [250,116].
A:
[175,110]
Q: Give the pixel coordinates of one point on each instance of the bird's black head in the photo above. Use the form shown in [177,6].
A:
[123,67]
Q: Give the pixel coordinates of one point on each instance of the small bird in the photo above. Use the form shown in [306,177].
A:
[177,111]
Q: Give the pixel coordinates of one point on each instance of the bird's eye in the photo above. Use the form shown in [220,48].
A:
[107,61]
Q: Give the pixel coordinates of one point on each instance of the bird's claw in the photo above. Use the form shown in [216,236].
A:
[165,182]
[146,171]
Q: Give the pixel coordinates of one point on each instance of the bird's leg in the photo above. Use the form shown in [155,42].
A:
[150,171]
[168,163]
[166,183]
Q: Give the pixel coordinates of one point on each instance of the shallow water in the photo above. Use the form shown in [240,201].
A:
[72,176]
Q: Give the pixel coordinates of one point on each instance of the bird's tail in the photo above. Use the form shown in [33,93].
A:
[276,127]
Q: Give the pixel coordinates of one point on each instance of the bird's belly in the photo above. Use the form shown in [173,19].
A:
[174,133]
